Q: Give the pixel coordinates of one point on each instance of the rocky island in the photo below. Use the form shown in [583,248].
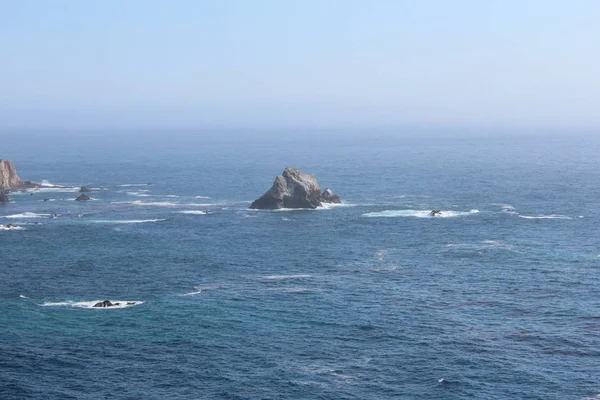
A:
[9,179]
[294,189]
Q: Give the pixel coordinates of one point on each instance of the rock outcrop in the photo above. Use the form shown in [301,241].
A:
[84,189]
[294,189]
[9,179]
[330,197]
[83,197]
[3,197]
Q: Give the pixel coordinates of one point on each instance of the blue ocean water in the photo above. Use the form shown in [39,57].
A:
[497,299]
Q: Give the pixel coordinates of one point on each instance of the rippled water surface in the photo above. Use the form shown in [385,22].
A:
[499,298]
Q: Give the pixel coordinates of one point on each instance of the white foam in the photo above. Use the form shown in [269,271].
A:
[388,268]
[171,195]
[133,184]
[90,304]
[202,197]
[149,203]
[200,289]
[23,297]
[125,221]
[193,212]
[27,215]
[327,206]
[551,216]
[11,228]
[419,214]
[280,277]
[141,193]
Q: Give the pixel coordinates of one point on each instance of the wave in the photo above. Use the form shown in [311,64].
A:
[141,193]
[200,289]
[11,228]
[418,214]
[388,268]
[551,216]
[149,203]
[90,304]
[125,221]
[134,184]
[193,212]
[202,197]
[281,277]
[23,296]
[323,206]
[27,215]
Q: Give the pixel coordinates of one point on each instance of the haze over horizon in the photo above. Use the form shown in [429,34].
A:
[185,65]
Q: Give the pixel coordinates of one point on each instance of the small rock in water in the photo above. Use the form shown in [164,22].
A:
[83,197]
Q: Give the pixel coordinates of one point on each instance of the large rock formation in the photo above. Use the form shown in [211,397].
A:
[9,179]
[294,189]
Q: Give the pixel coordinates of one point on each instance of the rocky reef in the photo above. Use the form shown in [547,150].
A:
[294,189]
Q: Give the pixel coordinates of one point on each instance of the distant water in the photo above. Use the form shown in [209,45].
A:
[499,298]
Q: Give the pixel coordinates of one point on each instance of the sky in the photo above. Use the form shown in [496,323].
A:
[142,64]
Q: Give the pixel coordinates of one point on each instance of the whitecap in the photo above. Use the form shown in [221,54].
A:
[280,277]
[193,212]
[90,304]
[11,228]
[23,297]
[202,197]
[200,289]
[27,215]
[125,221]
[419,213]
[149,203]
[551,216]
[133,184]
[141,193]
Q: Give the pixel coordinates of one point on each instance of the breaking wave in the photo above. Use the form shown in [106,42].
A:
[90,304]
[281,277]
[149,203]
[551,216]
[193,212]
[200,289]
[27,215]
[11,228]
[418,214]
[125,221]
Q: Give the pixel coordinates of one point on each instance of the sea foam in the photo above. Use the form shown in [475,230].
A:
[418,214]
[90,304]
[125,221]
[551,216]
[27,215]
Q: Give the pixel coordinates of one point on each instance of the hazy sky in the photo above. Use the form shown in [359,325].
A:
[161,64]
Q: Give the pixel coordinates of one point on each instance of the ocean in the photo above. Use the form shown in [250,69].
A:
[498,298]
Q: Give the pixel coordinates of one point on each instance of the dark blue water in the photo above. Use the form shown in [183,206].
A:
[497,299]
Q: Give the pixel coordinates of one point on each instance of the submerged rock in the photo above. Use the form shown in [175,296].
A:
[435,213]
[3,197]
[83,197]
[294,189]
[84,189]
